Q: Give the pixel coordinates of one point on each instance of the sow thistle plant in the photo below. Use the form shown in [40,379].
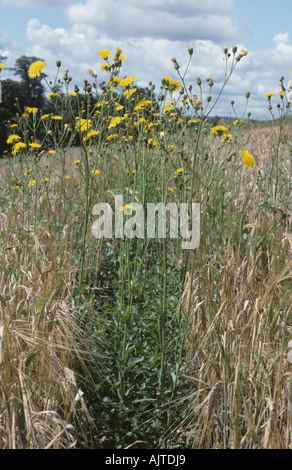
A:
[113,140]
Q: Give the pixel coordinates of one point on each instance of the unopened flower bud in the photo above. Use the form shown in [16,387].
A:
[247,94]
[58,63]
[199,81]
[234,49]
[191,50]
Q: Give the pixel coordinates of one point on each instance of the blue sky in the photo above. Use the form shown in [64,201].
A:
[150,32]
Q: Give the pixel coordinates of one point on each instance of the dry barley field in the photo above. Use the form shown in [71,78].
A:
[135,342]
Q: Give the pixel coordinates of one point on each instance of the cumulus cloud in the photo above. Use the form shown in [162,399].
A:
[150,44]
[185,20]
[6,41]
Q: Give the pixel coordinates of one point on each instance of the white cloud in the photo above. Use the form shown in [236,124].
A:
[6,41]
[151,33]
[185,20]
[149,58]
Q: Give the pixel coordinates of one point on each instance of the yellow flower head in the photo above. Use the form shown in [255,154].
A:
[247,158]
[36,68]
[2,66]
[56,118]
[129,93]
[127,81]
[128,209]
[112,136]
[242,52]
[141,104]
[174,85]
[104,53]
[35,145]
[114,122]
[90,134]
[105,66]
[219,130]
[31,183]
[13,138]
[31,110]
[18,146]
[83,124]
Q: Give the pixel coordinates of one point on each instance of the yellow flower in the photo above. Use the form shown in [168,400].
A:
[31,110]
[268,95]
[90,134]
[105,66]
[127,81]
[35,145]
[142,103]
[31,183]
[104,53]
[18,146]
[112,136]
[197,102]
[13,125]
[51,152]
[83,124]
[13,138]
[76,162]
[50,95]
[114,122]
[44,116]
[242,52]
[36,68]
[129,93]
[179,170]
[72,93]
[128,209]
[133,172]
[2,66]
[95,172]
[46,180]
[170,189]
[67,177]
[282,93]
[26,172]
[56,118]
[174,85]
[16,187]
[219,130]
[247,158]
[151,143]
